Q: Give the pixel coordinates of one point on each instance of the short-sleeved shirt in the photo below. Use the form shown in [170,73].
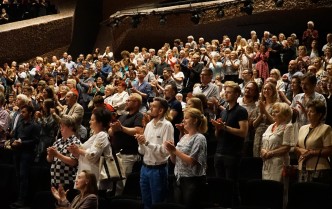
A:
[62,173]
[195,147]
[230,144]
[124,142]
[316,138]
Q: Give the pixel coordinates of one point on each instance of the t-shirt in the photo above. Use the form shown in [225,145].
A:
[230,144]
[123,141]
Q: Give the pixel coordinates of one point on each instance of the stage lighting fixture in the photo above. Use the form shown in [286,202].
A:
[279,3]
[247,7]
[195,17]
[135,21]
[162,20]
[220,12]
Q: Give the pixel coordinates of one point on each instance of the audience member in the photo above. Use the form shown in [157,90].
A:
[123,133]
[154,172]
[189,157]
[86,184]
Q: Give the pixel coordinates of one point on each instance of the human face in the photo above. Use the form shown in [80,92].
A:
[230,95]
[155,109]
[329,85]
[205,77]
[63,129]
[249,90]
[166,74]
[99,80]
[25,114]
[188,122]
[307,87]
[108,91]
[70,98]
[131,102]
[94,125]
[295,84]
[81,181]
[313,116]
[246,76]
[277,116]
[45,95]
[267,91]
[274,75]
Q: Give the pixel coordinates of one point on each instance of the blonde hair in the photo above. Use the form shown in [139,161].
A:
[284,109]
[201,119]
[197,104]
[72,81]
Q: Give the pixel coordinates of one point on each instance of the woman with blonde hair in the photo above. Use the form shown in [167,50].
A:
[276,143]
[275,73]
[269,96]
[189,156]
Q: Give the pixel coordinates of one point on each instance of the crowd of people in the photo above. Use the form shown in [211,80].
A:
[267,98]
[16,10]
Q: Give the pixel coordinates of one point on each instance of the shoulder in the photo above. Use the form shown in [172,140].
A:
[102,135]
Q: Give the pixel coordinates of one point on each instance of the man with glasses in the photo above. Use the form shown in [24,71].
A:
[246,76]
[123,132]
[206,87]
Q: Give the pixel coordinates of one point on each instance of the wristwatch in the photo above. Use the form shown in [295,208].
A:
[146,143]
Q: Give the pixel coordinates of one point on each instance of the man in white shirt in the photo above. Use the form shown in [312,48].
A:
[154,172]
[206,87]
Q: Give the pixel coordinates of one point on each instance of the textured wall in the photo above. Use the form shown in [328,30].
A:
[23,40]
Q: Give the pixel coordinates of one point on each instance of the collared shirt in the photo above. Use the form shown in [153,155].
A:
[302,118]
[156,134]
[210,90]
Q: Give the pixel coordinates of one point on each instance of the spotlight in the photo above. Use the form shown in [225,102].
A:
[220,12]
[279,3]
[162,20]
[195,17]
[135,21]
[247,8]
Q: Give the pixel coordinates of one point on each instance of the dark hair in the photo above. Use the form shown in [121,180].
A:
[163,103]
[103,116]
[91,187]
[319,107]
[50,93]
[98,99]
[48,103]
[173,87]
[311,78]
[208,70]
[29,108]
[256,97]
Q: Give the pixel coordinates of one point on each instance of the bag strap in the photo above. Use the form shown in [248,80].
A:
[319,154]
